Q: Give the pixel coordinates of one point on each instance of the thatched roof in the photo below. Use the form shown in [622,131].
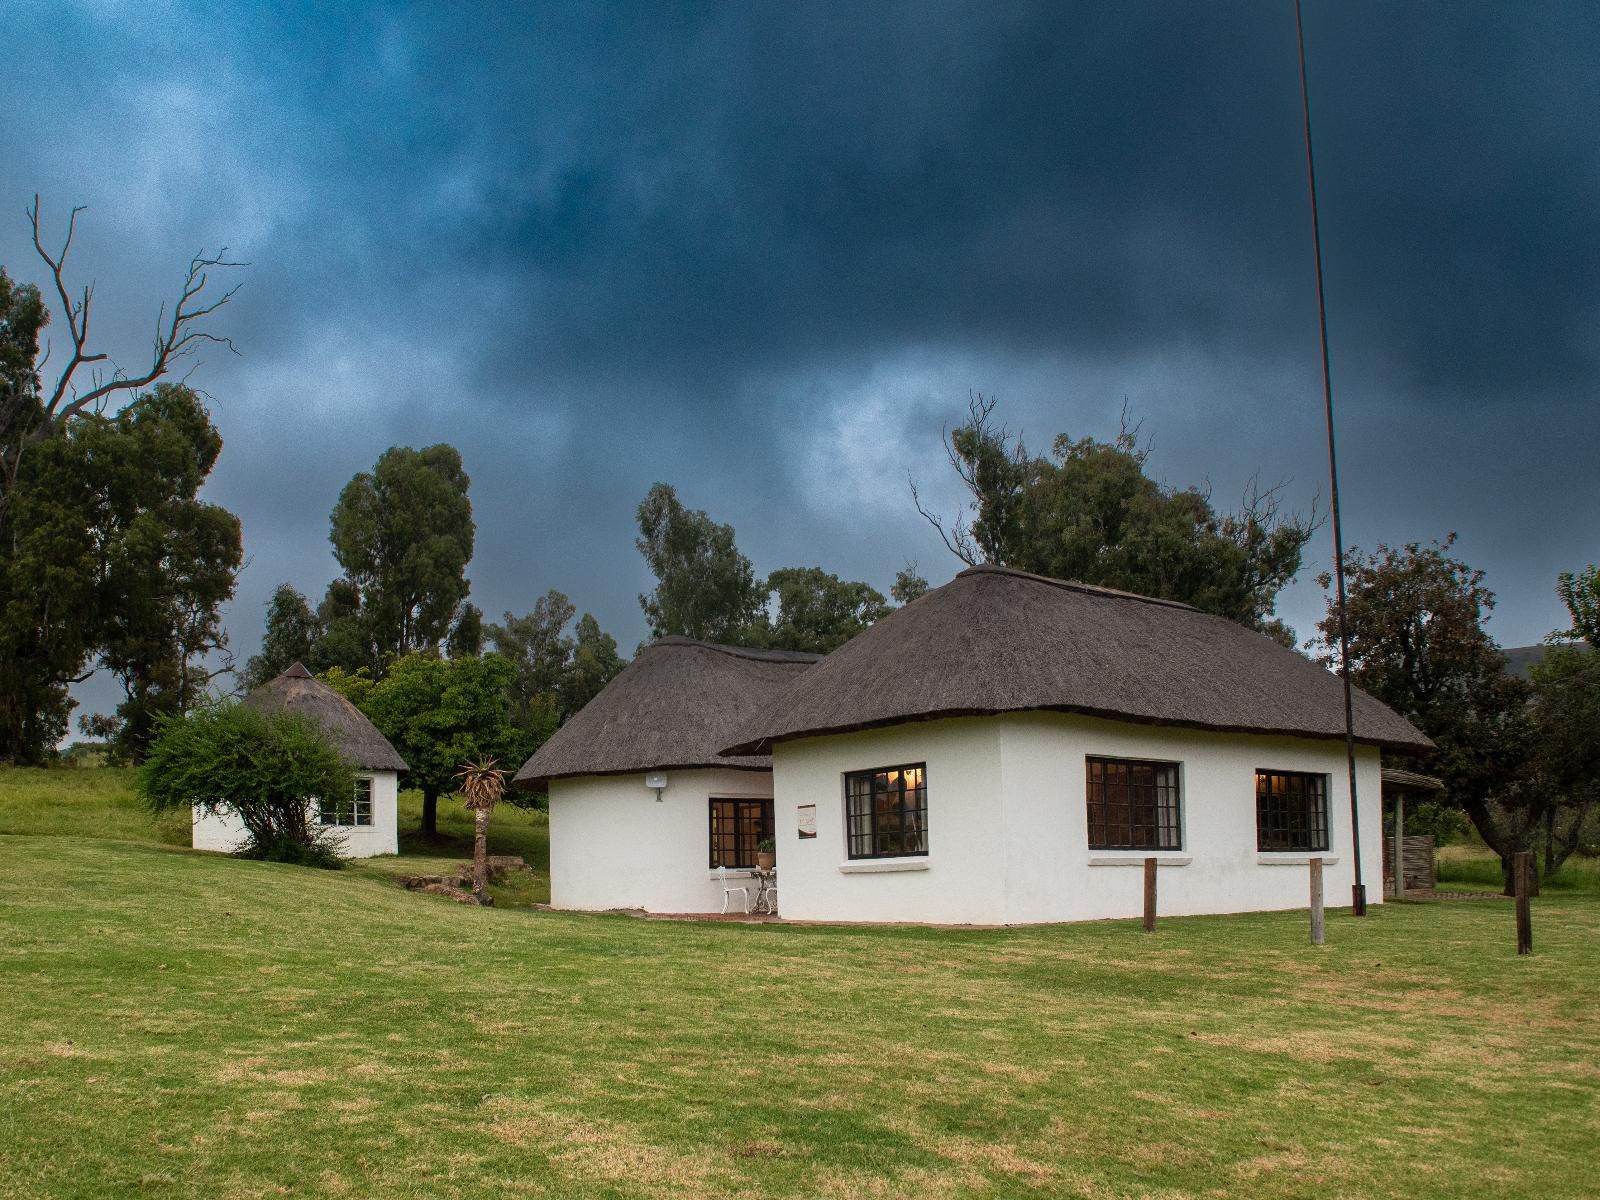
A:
[675,706]
[995,640]
[1397,780]
[346,726]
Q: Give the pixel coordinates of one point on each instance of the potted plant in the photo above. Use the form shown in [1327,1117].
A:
[766,854]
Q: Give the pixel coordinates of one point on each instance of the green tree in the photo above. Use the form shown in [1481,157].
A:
[1417,643]
[1089,512]
[292,631]
[111,552]
[466,635]
[1566,760]
[593,664]
[819,612]
[404,535]
[1580,592]
[539,652]
[908,585]
[343,634]
[104,547]
[705,588]
[439,713]
[556,673]
[22,316]
[267,769]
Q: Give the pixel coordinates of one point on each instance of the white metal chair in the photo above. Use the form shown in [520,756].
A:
[729,886]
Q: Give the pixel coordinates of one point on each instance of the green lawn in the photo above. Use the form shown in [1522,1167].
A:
[1475,868]
[100,803]
[179,1024]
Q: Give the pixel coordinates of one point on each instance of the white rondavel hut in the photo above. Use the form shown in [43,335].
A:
[367,820]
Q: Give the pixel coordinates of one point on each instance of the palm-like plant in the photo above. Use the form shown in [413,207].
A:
[482,785]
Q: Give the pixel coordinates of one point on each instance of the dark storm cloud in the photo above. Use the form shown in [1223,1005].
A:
[764,251]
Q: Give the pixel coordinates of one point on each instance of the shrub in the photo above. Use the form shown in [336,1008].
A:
[267,769]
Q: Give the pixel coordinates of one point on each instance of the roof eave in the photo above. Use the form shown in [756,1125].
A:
[541,783]
[765,743]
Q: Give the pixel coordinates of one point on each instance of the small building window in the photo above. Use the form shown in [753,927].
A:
[357,810]
[1133,805]
[886,812]
[737,827]
[1291,811]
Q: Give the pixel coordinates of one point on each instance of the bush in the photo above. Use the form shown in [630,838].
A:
[266,769]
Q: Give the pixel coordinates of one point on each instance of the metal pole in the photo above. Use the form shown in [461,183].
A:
[1358,893]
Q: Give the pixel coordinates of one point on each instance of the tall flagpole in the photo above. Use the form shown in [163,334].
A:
[1358,892]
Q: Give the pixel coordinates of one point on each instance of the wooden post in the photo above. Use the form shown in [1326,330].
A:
[1316,902]
[1149,895]
[1399,845]
[1522,881]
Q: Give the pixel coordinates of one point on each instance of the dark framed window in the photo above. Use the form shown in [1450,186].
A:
[737,826]
[1291,811]
[886,812]
[357,810]
[1133,805]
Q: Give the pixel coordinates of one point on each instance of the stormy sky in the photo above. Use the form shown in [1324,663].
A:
[764,252]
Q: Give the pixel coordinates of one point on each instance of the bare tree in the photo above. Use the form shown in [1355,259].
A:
[179,334]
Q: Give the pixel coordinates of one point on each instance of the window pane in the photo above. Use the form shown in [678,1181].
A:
[886,812]
[737,828]
[1133,805]
[1291,811]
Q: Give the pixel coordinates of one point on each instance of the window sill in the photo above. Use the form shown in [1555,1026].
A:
[1293,858]
[1136,859]
[733,873]
[880,866]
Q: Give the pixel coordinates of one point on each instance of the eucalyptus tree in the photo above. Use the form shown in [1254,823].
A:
[108,557]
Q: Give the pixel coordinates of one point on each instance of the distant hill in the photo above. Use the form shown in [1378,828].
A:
[1520,660]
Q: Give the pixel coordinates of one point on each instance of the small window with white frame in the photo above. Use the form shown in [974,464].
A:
[356,811]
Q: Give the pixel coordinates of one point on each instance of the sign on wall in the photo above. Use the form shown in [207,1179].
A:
[806,816]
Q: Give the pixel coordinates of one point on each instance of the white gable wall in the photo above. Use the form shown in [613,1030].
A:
[612,845]
[224,831]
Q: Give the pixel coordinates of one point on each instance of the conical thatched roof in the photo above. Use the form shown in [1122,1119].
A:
[995,640]
[346,726]
[673,707]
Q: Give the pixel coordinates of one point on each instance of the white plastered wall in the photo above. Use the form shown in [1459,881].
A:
[959,881]
[224,831]
[1007,824]
[613,845]
[1049,876]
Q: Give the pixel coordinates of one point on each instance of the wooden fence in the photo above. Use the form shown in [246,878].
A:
[1419,865]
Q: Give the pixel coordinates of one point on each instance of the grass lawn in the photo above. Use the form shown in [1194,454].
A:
[100,802]
[180,1024]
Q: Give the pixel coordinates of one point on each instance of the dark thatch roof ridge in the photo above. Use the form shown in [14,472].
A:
[995,640]
[750,652]
[674,707]
[346,726]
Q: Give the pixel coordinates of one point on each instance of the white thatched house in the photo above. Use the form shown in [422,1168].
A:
[365,822]
[1001,751]
[622,838]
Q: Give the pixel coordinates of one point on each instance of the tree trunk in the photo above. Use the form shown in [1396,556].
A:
[430,812]
[480,857]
